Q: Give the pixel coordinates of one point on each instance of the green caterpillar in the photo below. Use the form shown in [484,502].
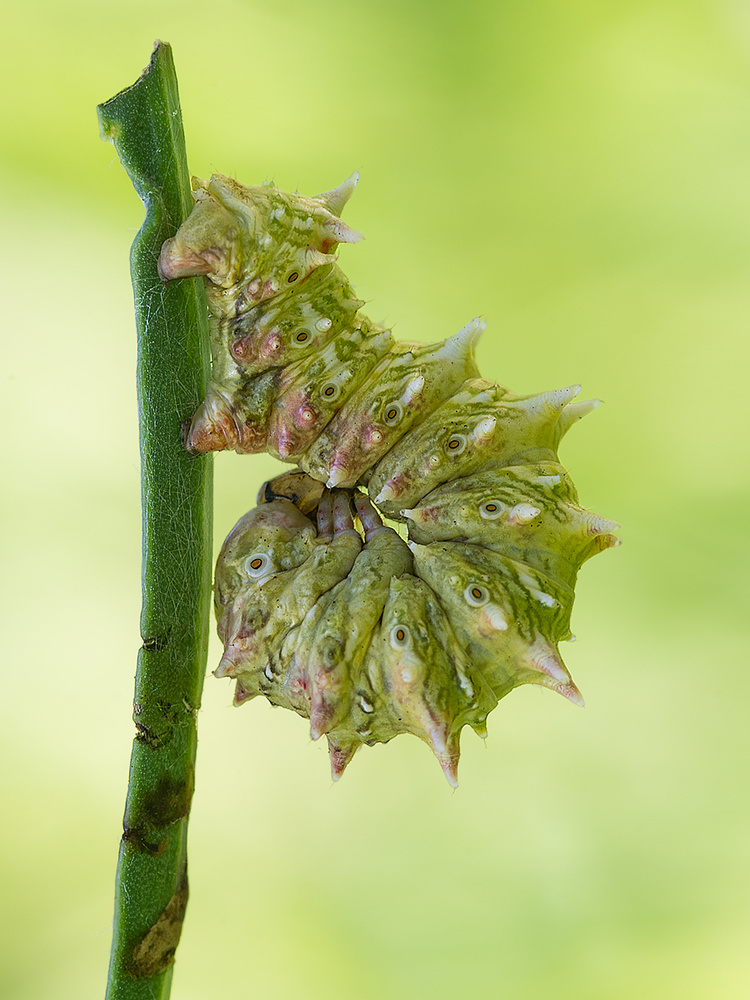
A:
[334,615]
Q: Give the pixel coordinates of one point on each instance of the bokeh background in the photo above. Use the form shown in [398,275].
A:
[578,173]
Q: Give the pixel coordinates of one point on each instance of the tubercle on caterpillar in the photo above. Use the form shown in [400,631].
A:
[322,607]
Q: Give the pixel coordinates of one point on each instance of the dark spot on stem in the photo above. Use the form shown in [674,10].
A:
[185,426]
[156,643]
[147,737]
[155,950]
[135,838]
[168,802]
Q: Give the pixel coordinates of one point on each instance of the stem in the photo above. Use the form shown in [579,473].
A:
[145,124]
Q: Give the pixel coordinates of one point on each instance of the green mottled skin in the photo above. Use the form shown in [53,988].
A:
[339,368]
[271,278]
[407,385]
[425,679]
[533,610]
[490,427]
[556,541]
[344,633]
[290,679]
[291,326]
[275,530]
[497,535]
[256,621]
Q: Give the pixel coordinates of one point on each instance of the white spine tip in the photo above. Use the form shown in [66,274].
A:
[387,493]
[228,662]
[554,668]
[485,429]
[571,692]
[602,526]
[468,335]
[496,618]
[523,513]
[546,599]
[449,770]
[337,474]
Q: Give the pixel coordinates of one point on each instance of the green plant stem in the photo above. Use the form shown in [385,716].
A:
[145,124]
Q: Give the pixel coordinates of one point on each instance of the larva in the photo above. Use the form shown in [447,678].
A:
[322,607]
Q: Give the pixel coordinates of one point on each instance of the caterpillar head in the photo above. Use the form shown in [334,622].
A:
[296,486]
[270,539]
[209,242]
[254,243]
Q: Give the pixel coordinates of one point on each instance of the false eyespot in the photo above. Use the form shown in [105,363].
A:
[476,595]
[330,391]
[392,413]
[490,510]
[322,607]
[400,636]
[258,564]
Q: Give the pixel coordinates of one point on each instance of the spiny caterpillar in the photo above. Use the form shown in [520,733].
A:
[335,615]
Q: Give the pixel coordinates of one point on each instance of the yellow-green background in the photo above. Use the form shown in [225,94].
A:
[578,173]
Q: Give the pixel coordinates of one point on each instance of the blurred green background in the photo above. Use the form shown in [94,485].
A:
[578,173]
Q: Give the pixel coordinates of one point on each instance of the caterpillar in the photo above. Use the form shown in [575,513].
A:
[366,629]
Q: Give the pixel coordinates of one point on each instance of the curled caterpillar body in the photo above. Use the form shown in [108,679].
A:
[321,607]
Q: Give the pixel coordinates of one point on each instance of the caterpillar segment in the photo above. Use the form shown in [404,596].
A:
[312,392]
[501,610]
[400,391]
[255,619]
[322,607]
[477,428]
[529,513]
[345,631]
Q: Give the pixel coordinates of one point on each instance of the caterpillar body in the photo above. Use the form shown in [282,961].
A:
[335,615]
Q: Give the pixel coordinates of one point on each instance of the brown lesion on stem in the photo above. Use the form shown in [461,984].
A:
[155,951]
[168,803]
